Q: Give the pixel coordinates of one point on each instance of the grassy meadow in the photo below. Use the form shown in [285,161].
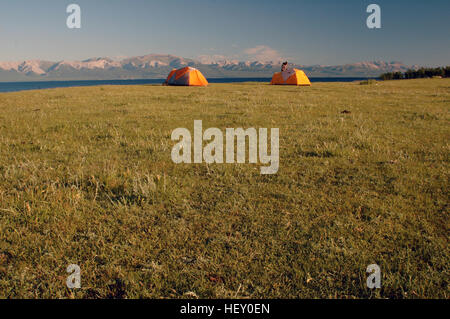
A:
[86,178]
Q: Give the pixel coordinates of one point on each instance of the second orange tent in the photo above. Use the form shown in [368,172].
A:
[290,77]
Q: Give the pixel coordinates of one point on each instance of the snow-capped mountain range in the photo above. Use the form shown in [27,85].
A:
[159,65]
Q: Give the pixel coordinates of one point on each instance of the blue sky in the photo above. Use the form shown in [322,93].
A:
[303,31]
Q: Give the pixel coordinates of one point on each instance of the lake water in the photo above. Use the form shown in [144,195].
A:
[23,86]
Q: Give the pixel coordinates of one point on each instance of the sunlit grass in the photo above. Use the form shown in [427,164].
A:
[86,177]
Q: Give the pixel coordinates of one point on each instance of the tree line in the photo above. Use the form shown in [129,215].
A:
[421,73]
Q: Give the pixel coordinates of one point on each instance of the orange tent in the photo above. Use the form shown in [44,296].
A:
[186,76]
[290,77]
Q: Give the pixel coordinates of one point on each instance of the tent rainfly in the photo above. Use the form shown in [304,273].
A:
[186,77]
[290,77]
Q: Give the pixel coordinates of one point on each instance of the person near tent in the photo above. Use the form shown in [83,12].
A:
[290,76]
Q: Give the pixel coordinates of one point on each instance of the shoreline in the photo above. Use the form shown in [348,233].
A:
[9,87]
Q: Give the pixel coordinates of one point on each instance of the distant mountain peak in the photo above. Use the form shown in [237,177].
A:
[159,65]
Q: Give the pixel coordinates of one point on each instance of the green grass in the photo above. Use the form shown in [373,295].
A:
[86,177]
[368,82]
